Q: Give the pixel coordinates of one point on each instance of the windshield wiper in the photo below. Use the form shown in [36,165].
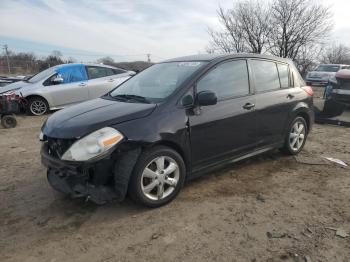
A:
[127,97]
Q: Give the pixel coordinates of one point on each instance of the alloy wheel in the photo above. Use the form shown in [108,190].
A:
[160,177]
[38,107]
[297,135]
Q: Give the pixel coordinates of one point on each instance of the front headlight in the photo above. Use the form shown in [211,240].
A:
[93,145]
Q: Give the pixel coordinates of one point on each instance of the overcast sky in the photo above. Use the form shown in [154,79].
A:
[124,29]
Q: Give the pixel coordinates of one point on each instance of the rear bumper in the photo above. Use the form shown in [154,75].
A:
[316,82]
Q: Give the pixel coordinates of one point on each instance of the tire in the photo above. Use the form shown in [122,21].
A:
[8,121]
[37,106]
[295,140]
[145,184]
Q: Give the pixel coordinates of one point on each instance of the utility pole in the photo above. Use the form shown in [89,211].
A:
[7,58]
[149,58]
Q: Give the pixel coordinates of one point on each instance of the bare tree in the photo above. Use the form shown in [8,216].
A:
[298,24]
[336,54]
[285,28]
[107,60]
[245,28]
[308,58]
[57,54]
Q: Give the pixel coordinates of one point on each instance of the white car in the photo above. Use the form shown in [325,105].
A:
[64,85]
[321,75]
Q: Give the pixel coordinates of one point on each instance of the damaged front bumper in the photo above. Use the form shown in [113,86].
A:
[100,181]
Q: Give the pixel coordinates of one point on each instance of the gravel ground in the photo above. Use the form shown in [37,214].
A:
[269,208]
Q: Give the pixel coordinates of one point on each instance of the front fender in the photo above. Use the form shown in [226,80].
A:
[40,93]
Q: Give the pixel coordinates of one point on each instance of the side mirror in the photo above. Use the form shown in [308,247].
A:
[57,80]
[206,98]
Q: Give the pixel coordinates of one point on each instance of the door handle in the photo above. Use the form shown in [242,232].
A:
[290,96]
[82,84]
[248,106]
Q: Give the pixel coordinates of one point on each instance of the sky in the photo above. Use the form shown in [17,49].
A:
[126,30]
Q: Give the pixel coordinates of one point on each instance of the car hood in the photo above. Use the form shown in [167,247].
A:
[13,86]
[82,119]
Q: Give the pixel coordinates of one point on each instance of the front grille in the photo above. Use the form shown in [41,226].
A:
[57,147]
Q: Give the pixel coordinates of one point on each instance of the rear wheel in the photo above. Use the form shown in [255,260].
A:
[296,136]
[158,177]
[37,106]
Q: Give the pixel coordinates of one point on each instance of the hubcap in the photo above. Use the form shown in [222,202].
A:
[297,136]
[160,178]
[38,107]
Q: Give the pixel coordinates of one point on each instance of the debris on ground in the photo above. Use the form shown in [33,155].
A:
[155,236]
[276,235]
[260,198]
[307,259]
[335,160]
[310,160]
[339,232]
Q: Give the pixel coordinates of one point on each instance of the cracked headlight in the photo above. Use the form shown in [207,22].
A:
[93,145]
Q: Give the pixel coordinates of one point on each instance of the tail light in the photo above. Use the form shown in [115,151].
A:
[308,90]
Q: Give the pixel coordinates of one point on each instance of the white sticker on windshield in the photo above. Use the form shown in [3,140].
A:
[189,64]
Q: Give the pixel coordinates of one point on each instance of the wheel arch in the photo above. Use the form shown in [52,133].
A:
[303,110]
[40,96]
[176,148]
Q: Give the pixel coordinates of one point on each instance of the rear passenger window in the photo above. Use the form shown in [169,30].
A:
[283,71]
[109,71]
[226,80]
[265,75]
[96,72]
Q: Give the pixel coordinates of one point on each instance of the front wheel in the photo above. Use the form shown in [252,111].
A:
[157,177]
[37,106]
[296,136]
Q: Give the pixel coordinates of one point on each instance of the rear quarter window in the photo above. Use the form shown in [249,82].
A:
[117,71]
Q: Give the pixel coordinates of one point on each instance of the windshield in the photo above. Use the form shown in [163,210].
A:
[157,82]
[328,68]
[42,75]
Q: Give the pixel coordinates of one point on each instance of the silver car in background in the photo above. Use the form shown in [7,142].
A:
[321,75]
[64,85]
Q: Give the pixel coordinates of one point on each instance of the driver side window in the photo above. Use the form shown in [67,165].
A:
[50,82]
[227,80]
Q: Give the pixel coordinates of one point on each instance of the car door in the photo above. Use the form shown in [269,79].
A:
[102,80]
[275,97]
[227,128]
[73,88]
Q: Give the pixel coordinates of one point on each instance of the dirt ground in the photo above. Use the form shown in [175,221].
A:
[269,208]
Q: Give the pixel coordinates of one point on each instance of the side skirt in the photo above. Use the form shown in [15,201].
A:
[217,165]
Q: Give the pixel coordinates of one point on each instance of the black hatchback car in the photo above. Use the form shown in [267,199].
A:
[174,121]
